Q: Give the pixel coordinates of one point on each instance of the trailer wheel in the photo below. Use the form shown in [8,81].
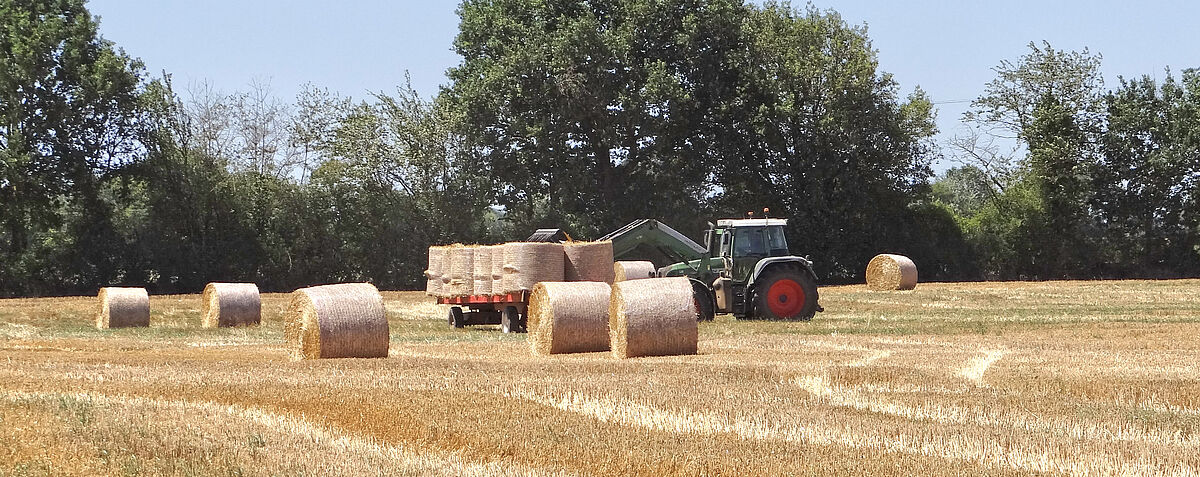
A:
[510,320]
[456,318]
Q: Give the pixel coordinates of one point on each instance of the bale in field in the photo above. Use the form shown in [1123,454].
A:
[652,317]
[588,261]
[569,317]
[437,267]
[623,271]
[481,278]
[498,269]
[346,320]
[230,304]
[462,271]
[527,263]
[123,308]
[891,272]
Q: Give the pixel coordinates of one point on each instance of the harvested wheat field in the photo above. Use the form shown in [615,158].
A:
[1084,378]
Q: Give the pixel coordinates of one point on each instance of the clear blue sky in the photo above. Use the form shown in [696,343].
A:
[356,47]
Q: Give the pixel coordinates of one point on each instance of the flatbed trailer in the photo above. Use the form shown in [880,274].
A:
[507,310]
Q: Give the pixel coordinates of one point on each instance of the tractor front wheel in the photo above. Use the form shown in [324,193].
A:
[785,293]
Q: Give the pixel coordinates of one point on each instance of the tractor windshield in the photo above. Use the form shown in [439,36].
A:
[760,241]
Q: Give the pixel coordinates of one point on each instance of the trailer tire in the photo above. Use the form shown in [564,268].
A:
[456,317]
[510,320]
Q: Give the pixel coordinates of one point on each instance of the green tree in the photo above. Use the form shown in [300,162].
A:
[1148,183]
[817,132]
[591,113]
[68,116]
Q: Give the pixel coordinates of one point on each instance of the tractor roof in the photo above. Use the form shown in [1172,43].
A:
[750,222]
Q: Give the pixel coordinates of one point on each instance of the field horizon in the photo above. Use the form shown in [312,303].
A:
[979,378]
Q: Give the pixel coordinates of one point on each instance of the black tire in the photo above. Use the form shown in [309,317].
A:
[706,305]
[456,317]
[510,320]
[778,288]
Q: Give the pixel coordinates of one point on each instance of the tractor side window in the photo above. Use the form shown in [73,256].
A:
[778,242]
[725,239]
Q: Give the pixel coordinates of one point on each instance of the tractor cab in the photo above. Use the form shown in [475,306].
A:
[742,243]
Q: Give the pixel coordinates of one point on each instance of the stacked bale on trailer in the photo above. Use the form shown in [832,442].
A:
[623,271]
[498,269]
[122,307]
[481,278]
[588,261]
[528,263]
[230,304]
[891,272]
[569,317]
[438,259]
[461,272]
[345,320]
[652,317]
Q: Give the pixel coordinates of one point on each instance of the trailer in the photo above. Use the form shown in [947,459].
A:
[507,310]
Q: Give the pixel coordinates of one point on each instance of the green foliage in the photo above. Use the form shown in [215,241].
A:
[68,116]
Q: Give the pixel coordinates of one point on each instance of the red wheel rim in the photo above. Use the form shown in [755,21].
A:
[785,298]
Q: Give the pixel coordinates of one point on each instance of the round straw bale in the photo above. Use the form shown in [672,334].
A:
[891,272]
[588,261]
[462,271]
[623,271]
[345,320]
[482,275]
[433,275]
[527,263]
[569,317]
[652,317]
[123,308]
[230,304]
[498,269]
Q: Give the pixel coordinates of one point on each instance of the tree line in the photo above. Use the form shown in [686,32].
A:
[584,115]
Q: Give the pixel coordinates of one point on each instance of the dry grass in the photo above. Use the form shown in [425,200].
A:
[1080,378]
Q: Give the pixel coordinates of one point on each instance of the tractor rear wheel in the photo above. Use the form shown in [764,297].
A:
[785,293]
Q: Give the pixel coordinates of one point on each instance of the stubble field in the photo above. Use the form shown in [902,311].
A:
[1099,378]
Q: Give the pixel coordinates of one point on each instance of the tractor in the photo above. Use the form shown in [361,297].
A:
[744,267]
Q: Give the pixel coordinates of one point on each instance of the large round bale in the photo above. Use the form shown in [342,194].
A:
[891,272]
[569,317]
[623,271]
[481,279]
[345,320]
[433,275]
[462,271]
[230,304]
[528,263]
[652,317]
[498,269]
[122,307]
[588,261]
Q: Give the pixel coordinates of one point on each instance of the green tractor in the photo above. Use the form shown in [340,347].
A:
[743,268]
